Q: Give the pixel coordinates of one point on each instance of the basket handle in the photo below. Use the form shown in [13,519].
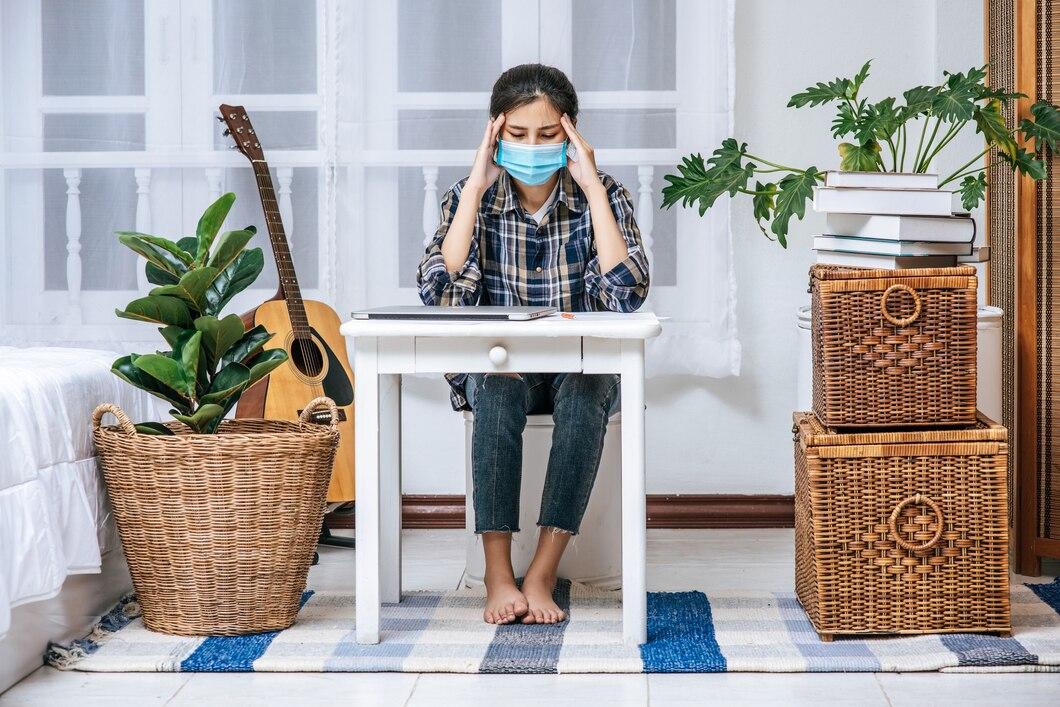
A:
[893,524]
[323,401]
[123,420]
[906,321]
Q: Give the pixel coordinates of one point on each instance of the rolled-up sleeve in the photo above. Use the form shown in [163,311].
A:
[624,287]
[439,286]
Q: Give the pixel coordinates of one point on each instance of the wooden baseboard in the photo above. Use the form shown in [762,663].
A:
[664,511]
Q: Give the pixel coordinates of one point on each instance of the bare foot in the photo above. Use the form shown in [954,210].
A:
[504,602]
[538,592]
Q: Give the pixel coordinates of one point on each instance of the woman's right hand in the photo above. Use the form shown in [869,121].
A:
[485,171]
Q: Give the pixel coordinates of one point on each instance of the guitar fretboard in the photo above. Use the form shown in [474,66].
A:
[284,265]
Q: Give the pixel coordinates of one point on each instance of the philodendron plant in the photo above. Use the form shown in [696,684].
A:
[963,98]
[212,359]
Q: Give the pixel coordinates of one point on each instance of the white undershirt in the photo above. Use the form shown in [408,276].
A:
[540,213]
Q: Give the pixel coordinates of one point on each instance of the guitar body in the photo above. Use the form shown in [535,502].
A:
[311,370]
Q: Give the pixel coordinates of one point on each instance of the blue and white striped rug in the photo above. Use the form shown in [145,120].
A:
[687,632]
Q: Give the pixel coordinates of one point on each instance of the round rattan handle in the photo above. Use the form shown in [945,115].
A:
[906,321]
[123,420]
[918,498]
[322,401]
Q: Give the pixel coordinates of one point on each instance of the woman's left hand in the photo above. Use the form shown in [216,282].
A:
[583,165]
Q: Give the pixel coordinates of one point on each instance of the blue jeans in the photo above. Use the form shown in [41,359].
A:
[580,405]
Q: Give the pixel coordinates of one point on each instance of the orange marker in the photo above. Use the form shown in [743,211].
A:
[567,315]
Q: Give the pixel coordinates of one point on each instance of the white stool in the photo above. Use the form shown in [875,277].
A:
[594,556]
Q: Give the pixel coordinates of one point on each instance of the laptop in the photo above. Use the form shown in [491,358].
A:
[482,313]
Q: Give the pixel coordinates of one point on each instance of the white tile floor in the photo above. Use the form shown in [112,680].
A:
[677,559]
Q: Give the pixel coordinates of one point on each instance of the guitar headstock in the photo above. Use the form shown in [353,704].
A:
[239,127]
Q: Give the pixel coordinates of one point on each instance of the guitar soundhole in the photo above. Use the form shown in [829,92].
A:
[307,357]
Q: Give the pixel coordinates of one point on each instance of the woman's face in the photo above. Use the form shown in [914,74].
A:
[535,123]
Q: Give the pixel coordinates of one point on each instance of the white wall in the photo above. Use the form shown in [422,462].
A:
[733,435]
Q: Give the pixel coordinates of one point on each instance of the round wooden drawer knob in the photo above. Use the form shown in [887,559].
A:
[498,355]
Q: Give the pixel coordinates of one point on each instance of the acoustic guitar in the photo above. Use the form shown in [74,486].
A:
[309,331]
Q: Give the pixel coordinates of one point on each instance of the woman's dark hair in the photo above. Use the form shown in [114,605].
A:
[526,83]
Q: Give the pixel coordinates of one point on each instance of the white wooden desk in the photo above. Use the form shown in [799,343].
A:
[598,342]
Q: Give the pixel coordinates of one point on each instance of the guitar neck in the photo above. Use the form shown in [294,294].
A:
[284,265]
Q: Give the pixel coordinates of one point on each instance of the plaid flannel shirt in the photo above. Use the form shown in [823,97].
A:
[514,261]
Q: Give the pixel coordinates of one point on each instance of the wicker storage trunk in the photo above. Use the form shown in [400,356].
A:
[894,347]
[219,529]
[902,532]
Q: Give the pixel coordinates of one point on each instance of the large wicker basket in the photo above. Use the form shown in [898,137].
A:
[894,347]
[902,532]
[219,530]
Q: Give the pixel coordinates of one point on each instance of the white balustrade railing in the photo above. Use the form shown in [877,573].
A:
[143,218]
[73,164]
[73,244]
[430,204]
[284,175]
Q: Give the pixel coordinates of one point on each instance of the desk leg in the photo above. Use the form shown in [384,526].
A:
[634,520]
[366,458]
[390,487]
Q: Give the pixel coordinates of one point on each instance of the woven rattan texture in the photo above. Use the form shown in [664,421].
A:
[894,348]
[901,538]
[1048,285]
[219,530]
[1001,208]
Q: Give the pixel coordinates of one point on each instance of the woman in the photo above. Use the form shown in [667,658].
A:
[534,223]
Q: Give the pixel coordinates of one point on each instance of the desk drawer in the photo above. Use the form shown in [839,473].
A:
[487,354]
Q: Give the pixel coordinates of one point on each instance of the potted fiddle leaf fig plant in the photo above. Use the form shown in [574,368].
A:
[212,358]
[882,136]
[218,518]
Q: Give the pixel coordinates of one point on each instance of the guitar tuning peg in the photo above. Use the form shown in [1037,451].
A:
[227,132]
[232,116]
[257,145]
[251,131]
[231,147]
[220,118]
[246,143]
[239,130]
[244,116]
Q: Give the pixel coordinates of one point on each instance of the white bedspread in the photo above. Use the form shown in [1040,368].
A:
[54,514]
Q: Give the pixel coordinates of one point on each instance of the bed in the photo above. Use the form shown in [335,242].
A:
[61,564]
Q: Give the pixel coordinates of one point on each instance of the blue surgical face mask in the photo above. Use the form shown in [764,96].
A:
[531,164]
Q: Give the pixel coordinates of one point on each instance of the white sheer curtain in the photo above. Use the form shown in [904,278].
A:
[367,112]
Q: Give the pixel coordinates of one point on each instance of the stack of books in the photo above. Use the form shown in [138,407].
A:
[892,220]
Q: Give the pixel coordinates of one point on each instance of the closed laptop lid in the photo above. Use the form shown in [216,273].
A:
[487,312]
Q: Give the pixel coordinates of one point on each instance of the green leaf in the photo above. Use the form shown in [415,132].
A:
[164,254]
[262,364]
[234,279]
[188,352]
[158,276]
[984,93]
[955,101]
[231,379]
[171,334]
[1046,126]
[918,101]
[699,183]
[860,158]
[991,123]
[202,417]
[795,190]
[859,78]
[763,201]
[973,190]
[1024,163]
[166,371]
[228,247]
[879,121]
[249,344]
[218,336]
[838,89]
[153,428]
[192,288]
[210,224]
[124,369]
[845,122]
[158,310]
